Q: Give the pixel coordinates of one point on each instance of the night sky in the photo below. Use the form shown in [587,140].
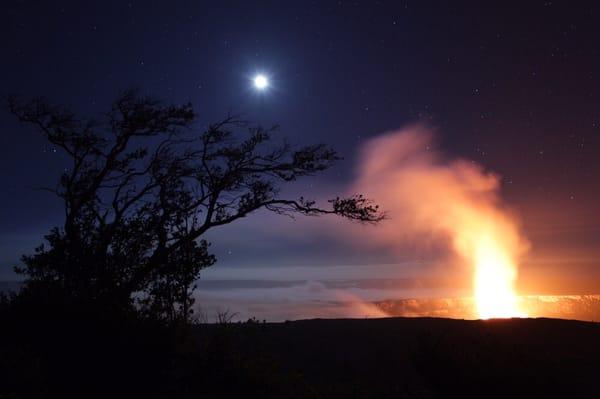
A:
[514,87]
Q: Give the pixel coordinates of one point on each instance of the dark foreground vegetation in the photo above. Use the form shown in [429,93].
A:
[106,305]
[378,358]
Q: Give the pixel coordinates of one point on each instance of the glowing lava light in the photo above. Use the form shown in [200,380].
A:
[494,280]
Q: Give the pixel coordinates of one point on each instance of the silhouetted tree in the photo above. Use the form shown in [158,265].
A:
[141,192]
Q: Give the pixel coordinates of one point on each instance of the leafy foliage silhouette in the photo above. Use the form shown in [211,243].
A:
[143,189]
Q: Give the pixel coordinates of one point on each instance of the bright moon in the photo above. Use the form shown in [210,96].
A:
[261,82]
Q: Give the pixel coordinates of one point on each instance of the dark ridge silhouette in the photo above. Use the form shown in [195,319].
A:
[375,358]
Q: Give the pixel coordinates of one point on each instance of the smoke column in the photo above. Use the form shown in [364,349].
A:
[428,196]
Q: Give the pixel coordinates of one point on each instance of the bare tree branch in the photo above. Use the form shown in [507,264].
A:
[143,191]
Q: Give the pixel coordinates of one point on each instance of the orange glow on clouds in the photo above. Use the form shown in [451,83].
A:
[429,197]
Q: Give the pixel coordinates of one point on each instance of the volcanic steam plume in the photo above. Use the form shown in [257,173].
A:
[429,196]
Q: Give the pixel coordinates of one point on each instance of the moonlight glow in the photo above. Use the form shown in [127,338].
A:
[261,82]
